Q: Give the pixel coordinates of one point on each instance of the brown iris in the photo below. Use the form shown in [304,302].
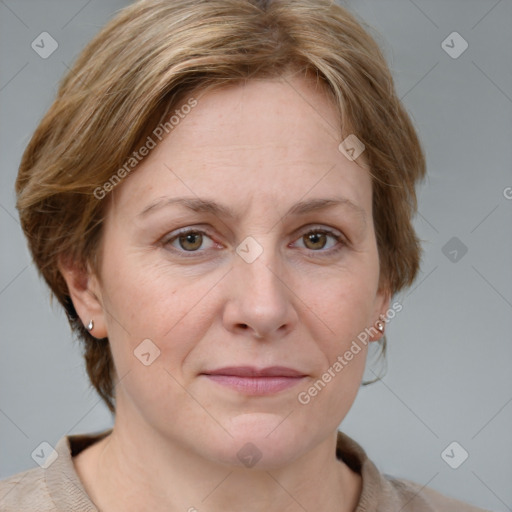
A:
[191,241]
[317,240]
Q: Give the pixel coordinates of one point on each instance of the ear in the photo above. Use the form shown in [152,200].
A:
[382,302]
[85,292]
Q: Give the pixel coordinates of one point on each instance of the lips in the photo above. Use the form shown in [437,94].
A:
[249,380]
[251,371]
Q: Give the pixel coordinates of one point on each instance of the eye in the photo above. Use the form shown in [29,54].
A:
[317,240]
[196,241]
[190,240]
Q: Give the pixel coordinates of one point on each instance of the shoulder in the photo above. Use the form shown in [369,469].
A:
[25,491]
[53,487]
[418,498]
[382,493]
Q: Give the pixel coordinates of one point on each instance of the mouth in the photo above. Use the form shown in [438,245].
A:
[253,381]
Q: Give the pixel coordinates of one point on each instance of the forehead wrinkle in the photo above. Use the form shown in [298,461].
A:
[312,205]
[201,205]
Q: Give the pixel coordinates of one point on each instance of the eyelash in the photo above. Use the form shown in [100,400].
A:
[324,231]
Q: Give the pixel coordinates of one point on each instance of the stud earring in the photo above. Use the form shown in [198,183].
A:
[380,327]
[90,325]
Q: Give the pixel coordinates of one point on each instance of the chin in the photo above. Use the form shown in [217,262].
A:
[261,441]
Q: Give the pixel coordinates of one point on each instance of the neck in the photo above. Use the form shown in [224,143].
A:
[136,469]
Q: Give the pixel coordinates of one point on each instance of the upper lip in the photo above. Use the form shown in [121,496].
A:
[251,371]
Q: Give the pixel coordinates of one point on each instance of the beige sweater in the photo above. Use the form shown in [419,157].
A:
[58,487]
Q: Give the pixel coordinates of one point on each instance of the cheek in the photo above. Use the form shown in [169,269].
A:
[145,295]
[175,312]
[342,302]
[163,316]
[343,306]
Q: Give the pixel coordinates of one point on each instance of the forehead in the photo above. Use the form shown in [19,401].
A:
[271,141]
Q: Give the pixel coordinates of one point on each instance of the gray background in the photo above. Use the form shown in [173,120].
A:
[449,372]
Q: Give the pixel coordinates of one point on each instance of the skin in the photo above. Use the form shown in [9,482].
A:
[257,148]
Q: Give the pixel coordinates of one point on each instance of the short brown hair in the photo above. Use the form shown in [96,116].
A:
[152,55]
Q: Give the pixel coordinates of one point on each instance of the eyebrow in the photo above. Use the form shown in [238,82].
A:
[199,205]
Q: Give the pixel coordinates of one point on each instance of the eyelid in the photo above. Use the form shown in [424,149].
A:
[334,233]
[319,228]
[175,234]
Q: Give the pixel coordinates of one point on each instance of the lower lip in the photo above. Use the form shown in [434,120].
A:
[256,385]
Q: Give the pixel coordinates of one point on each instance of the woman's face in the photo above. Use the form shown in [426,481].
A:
[244,240]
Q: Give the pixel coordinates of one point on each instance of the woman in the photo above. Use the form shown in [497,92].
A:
[221,199]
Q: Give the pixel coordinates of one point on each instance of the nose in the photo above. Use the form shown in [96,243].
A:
[261,303]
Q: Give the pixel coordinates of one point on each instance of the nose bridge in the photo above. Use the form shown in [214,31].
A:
[262,301]
[258,267]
